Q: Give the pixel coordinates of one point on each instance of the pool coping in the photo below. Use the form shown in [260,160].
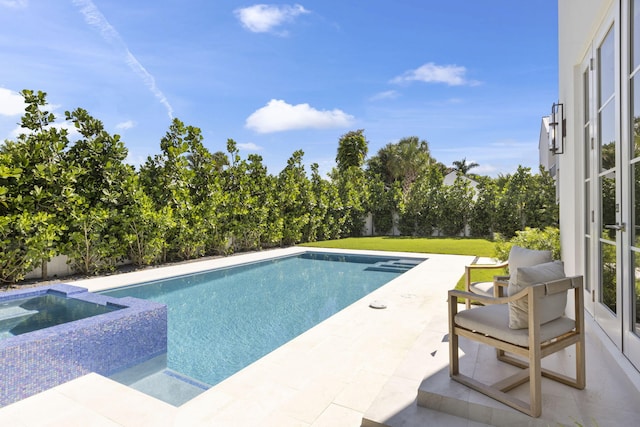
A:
[133,331]
[336,367]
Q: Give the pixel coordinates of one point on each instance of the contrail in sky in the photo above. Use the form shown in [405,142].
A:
[95,18]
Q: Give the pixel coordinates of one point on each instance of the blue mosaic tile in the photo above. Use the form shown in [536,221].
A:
[105,344]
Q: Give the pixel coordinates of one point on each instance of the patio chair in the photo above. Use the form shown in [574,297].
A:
[529,325]
[518,257]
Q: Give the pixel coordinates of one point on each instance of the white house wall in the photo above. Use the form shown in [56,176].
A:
[578,22]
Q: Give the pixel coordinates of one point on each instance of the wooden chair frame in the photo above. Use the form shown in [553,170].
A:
[533,353]
[499,282]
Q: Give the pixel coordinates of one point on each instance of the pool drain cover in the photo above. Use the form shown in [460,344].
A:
[377,304]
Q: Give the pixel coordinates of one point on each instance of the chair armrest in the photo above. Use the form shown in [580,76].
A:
[500,284]
[468,268]
[501,280]
[477,297]
[563,285]
[486,266]
[492,300]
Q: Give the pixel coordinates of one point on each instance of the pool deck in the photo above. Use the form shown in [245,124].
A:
[362,366]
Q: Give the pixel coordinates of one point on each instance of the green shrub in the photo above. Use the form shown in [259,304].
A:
[530,238]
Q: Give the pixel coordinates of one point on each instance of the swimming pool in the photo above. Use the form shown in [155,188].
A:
[223,320]
[32,313]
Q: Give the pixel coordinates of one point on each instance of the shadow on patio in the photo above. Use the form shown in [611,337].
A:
[611,397]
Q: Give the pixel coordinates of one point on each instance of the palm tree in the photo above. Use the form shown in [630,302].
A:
[462,167]
[402,162]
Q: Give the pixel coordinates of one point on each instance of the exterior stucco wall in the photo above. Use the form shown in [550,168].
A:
[578,23]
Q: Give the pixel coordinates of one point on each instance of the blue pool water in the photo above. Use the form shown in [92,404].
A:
[223,320]
[22,315]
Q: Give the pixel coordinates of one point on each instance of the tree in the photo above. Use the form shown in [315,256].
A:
[266,213]
[169,180]
[250,205]
[462,167]
[455,207]
[95,221]
[36,185]
[525,200]
[352,150]
[296,200]
[481,219]
[402,162]
[326,219]
[145,227]
[379,167]
[383,203]
[352,191]
[419,213]
[350,181]
[543,210]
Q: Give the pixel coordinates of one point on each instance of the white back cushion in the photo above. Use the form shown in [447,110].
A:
[523,257]
[552,306]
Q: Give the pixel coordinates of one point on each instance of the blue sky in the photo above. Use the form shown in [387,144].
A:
[473,78]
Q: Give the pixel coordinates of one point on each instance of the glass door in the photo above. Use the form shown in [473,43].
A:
[631,175]
[611,163]
[609,226]
[604,228]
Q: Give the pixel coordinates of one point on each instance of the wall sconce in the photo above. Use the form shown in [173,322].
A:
[557,131]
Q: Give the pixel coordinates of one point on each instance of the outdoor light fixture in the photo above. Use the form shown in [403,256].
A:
[557,129]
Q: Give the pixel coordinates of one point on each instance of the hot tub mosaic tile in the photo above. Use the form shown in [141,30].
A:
[105,343]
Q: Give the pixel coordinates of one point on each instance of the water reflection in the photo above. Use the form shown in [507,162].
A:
[608,204]
[608,274]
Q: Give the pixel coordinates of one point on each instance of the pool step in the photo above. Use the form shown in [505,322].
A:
[12,312]
[395,266]
[169,386]
[10,316]
[156,380]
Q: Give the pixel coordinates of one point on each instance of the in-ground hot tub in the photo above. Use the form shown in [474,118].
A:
[52,334]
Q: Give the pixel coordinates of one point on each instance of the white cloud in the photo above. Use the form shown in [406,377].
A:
[135,160]
[279,116]
[14,4]
[11,103]
[16,131]
[264,18]
[452,75]
[249,146]
[389,94]
[95,18]
[126,125]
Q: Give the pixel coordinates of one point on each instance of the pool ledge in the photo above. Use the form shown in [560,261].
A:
[106,343]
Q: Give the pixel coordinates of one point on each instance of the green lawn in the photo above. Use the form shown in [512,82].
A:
[432,245]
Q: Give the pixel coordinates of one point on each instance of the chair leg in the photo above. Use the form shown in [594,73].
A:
[535,385]
[581,378]
[580,364]
[454,362]
[454,365]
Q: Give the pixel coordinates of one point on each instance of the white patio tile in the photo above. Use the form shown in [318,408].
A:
[361,362]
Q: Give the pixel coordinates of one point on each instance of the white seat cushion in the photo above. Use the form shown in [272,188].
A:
[493,320]
[551,307]
[482,288]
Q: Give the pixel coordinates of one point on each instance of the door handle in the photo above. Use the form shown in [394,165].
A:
[618,227]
